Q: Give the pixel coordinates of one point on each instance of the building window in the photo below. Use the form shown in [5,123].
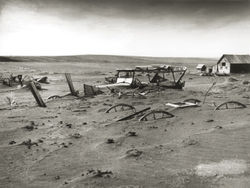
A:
[223,64]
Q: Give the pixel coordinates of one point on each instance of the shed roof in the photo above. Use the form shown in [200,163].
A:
[200,66]
[236,59]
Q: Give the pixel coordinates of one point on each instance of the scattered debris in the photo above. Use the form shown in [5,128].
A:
[110,141]
[106,104]
[131,133]
[134,114]
[99,173]
[54,97]
[65,145]
[79,110]
[218,127]
[230,105]
[153,127]
[29,127]
[26,80]
[29,143]
[69,125]
[21,80]
[195,101]
[121,107]
[9,80]
[57,177]
[76,135]
[40,141]
[14,117]
[12,142]
[43,80]
[156,114]
[189,142]
[133,153]
[210,120]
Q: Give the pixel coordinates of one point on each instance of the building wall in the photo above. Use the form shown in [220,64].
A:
[223,67]
[240,68]
[214,69]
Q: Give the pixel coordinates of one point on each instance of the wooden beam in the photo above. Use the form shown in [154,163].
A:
[70,84]
[36,95]
[173,75]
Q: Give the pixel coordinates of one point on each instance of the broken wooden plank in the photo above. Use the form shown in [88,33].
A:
[36,95]
[134,114]
[70,84]
[182,104]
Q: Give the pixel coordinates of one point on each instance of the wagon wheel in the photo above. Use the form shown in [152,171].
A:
[154,115]
[121,107]
[226,105]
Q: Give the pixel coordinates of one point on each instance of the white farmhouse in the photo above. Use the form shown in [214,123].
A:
[232,64]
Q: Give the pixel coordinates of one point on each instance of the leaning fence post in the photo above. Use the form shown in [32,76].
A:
[208,91]
[71,86]
[36,95]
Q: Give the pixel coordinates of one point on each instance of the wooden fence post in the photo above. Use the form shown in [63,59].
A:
[71,86]
[36,95]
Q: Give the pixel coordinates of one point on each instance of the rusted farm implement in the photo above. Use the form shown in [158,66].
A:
[164,75]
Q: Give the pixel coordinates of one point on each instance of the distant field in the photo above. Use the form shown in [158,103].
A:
[105,58]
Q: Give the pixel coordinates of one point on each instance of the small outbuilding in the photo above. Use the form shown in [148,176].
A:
[232,64]
[201,67]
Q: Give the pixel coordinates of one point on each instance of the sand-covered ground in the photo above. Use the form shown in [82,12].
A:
[70,141]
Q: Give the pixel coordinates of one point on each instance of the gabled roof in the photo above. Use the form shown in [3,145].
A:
[236,59]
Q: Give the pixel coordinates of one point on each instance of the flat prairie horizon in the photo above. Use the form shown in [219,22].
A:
[100,57]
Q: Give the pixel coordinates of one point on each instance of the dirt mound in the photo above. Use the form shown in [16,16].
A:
[225,167]
[232,79]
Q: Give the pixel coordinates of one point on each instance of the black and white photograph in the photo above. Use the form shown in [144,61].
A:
[124,93]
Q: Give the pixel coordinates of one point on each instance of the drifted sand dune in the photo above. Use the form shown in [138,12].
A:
[74,143]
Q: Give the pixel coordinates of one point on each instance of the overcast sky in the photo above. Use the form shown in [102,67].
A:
[190,28]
